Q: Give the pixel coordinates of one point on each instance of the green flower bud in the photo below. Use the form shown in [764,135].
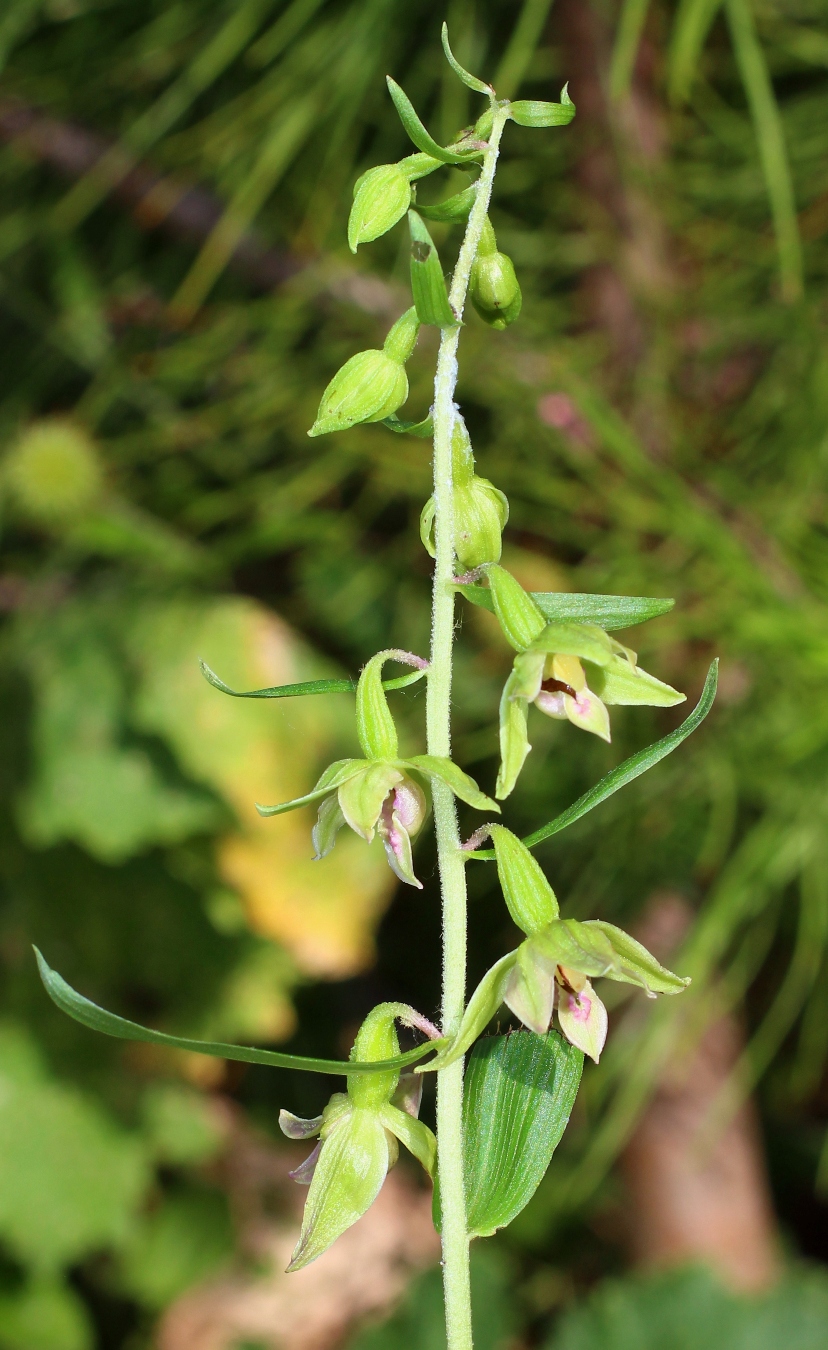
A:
[528,895]
[54,473]
[381,198]
[368,388]
[372,385]
[480,509]
[493,286]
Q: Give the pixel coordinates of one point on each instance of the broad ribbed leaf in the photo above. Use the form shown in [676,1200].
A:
[607,611]
[98,1019]
[517,1099]
[626,772]
[309,686]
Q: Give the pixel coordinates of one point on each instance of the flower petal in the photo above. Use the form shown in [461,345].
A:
[295,1127]
[416,1136]
[530,992]
[588,712]
[349,1173]
[303,1174]
[583,1019]
[329,822]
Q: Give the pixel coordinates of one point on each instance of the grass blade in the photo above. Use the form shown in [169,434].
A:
[307,687]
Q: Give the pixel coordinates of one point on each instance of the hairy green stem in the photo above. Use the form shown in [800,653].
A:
[438,721]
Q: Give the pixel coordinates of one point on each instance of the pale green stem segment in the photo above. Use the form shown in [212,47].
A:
[438,719]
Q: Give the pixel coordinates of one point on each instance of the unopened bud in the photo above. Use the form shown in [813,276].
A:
[480,509]
[517,613]
[381,198]
[493,286]
[367,388]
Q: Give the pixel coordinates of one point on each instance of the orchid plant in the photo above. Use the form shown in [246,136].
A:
[486,1161]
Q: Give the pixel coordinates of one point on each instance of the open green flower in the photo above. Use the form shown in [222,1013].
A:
[571,671]
[381,794]
[551,971]
[359,1135]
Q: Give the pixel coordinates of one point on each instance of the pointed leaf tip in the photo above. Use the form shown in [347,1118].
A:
[471,81]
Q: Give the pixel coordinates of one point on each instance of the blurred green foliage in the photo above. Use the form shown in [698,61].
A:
[175,292]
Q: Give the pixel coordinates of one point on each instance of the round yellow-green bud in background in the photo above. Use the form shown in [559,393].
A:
[53,472]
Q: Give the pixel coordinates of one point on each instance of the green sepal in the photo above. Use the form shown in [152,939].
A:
[464,787]
[329,822]
[471,81]
[401,338]
[369,387]
[381,198]
[606,611]
[417,131]
[361,797]
[307,687]
[623,684]
[352,1166]
[481,1008]
[416,1136]
[453,209]
[517,613]
[532,113]
[423,429]
[375,726]
[427,284]
[599,949]
[514,737]
[86,1012]
[584,640]
[334,776]
[518,1095]
[529,897]
[480,514]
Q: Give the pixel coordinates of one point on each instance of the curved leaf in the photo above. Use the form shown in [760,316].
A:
[607,611]
[626,772]
[98,1019]
[471,81]
[422,429]
[417,132]
[309,686]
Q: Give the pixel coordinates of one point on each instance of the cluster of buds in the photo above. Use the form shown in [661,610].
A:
[569,671]
[381,793]
[550,973]
[359,1135]
[480,509]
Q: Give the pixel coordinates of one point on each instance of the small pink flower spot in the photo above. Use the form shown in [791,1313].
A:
[579,1007]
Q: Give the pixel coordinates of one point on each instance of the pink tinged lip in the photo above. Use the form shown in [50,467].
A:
[579,1008]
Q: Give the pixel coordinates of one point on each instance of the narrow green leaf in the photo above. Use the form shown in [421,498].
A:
[417,131]
[454,208]
[690,28]
[471,81]
[309,686]
[518,1095]
[770,137]
[423,429]
[607,611]
[626,772]
[98,1019]
[427,283]
[625,49]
